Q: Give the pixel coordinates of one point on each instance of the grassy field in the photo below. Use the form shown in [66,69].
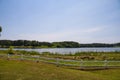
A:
[61,62]
[77,56]
[27,70]
[31,70]
[112,58]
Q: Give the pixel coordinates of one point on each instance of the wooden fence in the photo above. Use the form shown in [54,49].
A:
[59,62]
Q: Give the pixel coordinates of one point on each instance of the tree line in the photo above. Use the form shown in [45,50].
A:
[64,44]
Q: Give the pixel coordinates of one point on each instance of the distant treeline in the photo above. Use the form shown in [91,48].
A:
[64,44]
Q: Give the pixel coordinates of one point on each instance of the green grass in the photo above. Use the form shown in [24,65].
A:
[111,74]
[30,70]
[62,61]
[76,56]
[27,70]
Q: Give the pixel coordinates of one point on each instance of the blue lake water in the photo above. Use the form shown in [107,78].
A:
[70,50]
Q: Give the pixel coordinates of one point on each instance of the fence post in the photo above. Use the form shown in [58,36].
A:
[105,63]
[57,62]
[22,57]
[37,60]
[8,56]
[81,64]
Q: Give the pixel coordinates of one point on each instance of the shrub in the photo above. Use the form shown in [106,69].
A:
[10,50]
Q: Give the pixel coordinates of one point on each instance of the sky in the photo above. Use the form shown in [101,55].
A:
[84,21]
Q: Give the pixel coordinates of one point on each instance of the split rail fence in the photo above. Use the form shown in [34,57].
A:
[60,62]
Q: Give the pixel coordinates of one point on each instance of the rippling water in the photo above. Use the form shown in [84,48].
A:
[70,50]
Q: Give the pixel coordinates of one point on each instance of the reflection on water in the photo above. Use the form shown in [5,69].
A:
[70,50]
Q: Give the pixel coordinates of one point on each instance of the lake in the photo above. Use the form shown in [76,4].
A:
[70,50]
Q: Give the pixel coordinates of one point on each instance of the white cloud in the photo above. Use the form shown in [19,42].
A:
[91,30]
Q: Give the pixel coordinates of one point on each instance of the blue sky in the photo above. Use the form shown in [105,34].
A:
[84,21]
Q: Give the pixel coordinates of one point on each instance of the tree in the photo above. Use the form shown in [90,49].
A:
[0,30]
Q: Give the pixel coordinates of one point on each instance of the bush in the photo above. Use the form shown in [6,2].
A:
[10,50]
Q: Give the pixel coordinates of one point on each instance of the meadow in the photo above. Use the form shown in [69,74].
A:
[28,70]
[11,69]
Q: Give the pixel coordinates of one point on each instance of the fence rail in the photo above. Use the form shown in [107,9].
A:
[59,62]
